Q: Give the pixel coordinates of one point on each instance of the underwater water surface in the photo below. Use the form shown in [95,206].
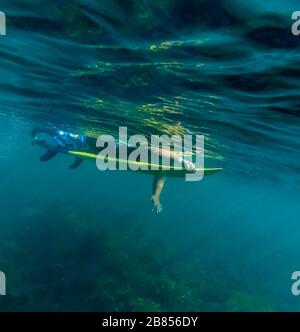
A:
[88,240]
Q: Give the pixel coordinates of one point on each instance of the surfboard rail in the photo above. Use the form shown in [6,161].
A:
[151,168]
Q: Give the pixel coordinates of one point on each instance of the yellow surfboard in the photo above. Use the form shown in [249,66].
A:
[151,168]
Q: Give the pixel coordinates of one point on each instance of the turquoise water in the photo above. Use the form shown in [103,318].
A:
[88,240]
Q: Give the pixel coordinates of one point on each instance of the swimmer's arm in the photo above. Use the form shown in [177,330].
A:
[166,153]
[173,155]
[158,184]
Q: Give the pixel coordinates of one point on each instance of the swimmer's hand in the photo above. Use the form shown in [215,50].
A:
[156,204]
[188,165]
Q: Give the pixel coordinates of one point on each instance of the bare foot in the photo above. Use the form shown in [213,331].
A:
[156,204]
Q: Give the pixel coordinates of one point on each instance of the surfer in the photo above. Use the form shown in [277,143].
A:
[66,142]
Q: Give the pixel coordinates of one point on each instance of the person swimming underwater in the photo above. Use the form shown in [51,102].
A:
[63,141]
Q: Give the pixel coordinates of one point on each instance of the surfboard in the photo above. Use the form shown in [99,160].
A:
[150,167]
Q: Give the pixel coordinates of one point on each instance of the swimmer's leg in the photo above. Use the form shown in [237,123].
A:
[158,184]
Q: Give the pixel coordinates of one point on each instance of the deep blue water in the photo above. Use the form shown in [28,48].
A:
[84,240]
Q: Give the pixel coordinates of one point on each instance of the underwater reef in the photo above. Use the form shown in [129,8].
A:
[75,265]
